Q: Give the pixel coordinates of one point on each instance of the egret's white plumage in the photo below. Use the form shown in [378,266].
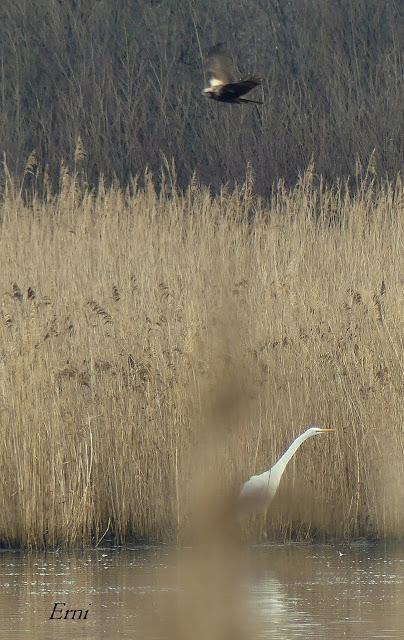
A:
[257,493]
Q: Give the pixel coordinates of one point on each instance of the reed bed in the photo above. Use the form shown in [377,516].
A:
[134,324]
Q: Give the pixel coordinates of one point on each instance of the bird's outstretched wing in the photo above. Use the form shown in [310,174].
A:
[237,89]
[219,66]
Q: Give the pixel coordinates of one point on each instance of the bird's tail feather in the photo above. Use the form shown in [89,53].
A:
[253,101]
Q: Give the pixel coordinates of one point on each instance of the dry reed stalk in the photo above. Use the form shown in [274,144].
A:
[99,390]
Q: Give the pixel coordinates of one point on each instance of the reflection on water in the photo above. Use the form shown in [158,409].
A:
[315,592]
[295,592]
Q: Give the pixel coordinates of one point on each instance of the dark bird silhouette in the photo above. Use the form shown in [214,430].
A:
[222,78]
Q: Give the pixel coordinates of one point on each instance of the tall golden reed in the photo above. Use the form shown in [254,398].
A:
[123,315]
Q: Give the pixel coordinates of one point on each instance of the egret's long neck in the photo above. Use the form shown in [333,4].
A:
[289,453]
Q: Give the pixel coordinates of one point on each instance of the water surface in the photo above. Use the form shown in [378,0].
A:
[294,591]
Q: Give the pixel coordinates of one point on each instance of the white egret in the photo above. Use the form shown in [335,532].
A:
[257,493]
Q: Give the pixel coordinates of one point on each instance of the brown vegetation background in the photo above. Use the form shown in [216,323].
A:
[127,78]
[136,326]
[142,317]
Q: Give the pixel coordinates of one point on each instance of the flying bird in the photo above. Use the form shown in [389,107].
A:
[257,493]
[222,77]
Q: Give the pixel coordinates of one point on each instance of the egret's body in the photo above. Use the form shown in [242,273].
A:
[257,493]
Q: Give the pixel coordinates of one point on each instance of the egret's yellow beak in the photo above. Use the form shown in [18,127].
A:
[327,429]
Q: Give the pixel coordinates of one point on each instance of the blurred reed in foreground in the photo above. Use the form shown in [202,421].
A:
[122,313]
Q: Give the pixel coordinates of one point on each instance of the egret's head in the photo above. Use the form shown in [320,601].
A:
[315,430]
